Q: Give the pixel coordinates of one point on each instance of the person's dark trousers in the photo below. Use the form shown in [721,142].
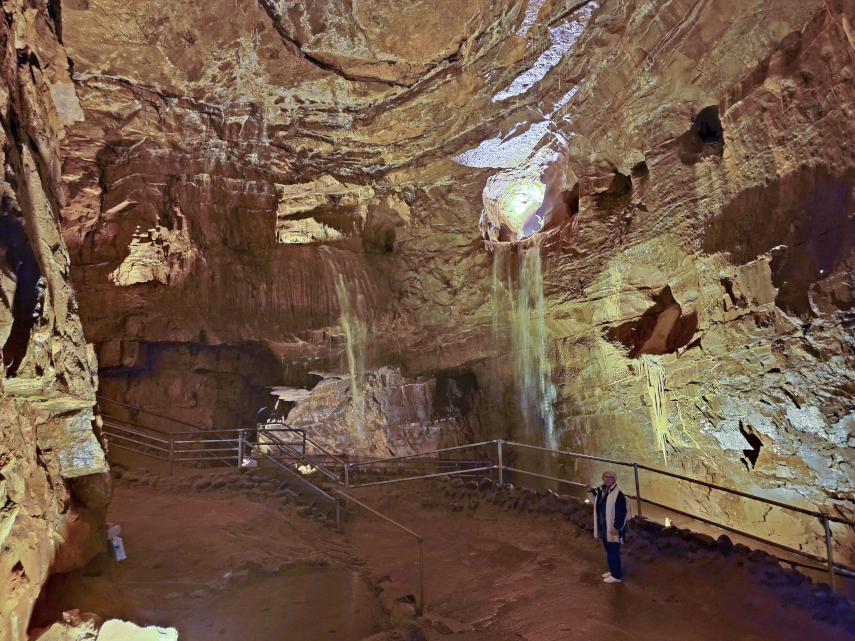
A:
[613,556]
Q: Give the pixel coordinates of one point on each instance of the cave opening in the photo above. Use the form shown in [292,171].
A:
[705,138]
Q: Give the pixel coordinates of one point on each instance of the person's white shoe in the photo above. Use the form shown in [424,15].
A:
[611,579]
[607,574]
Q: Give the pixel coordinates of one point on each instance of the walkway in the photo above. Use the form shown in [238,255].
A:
[539,576]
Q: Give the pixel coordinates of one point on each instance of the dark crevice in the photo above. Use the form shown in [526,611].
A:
[18,261]
[751,455]
[640,170]
[704,139]
[662,330]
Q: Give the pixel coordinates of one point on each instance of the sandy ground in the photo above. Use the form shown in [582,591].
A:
[224,567]
[227,566]
[539,578]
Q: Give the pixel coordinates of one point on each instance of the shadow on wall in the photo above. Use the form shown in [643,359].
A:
[662,330]
[216,386]
[19,287]
[804,218]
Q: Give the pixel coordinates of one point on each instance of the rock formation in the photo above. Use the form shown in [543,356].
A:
[628,224]
[54,481]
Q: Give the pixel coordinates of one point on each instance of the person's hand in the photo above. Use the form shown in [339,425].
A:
[613,532]
[589,487]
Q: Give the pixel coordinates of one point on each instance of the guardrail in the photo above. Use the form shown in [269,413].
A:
[221,447]
[418,537]
[232,448]
[828,563]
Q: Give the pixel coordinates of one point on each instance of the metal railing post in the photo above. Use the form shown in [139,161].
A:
[831,576]
[637,490]
[346,476]
[501,465]
[421,576]
[240,450]
[171,453]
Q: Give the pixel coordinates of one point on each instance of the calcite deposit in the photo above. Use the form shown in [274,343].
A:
[621,227]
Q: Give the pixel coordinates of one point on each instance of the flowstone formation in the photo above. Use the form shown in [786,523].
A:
[684,171]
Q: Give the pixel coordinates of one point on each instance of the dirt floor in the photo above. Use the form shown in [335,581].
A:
[220,565]
[539,577]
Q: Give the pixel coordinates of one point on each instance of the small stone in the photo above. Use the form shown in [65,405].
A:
[703,540]
[757,555]
[724,544]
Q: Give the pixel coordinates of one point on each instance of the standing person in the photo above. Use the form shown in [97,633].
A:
[609,522]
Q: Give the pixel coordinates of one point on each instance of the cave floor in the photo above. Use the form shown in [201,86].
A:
[236,567]
[223,566]
[539,577]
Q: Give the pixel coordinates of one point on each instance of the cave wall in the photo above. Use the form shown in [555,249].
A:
[226,186]
[54,480]
[219,387]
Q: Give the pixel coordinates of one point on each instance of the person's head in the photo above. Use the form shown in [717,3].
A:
[609,478]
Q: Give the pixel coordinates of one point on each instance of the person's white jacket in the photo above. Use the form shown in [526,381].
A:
[611,496]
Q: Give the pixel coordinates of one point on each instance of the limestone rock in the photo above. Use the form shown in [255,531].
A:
[116,630]
[326,190]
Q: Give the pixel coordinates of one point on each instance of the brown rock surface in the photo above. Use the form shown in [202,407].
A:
[51,519]
[308,177]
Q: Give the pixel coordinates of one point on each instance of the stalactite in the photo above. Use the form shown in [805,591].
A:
[654,372]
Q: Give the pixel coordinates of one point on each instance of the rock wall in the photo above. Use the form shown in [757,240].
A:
[343,183]
[218,387]
[400,416]
[54,481]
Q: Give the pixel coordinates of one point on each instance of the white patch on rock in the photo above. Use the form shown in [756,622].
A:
[563,37]
[809,419]
[531,13]
[116,630]
[159,254]
[727,434]
[66,102]
[504,153]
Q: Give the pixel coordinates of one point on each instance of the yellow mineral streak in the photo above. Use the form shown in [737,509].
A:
[654,372]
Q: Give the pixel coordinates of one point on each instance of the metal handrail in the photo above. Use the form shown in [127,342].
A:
[130,449]
[427,476]
[690,480]
[314,443]
[830,565]
[167,418]
[744,494]
[302,457]
[110,417]
[418,537]
[585,456]
[401,458]
[134,432]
